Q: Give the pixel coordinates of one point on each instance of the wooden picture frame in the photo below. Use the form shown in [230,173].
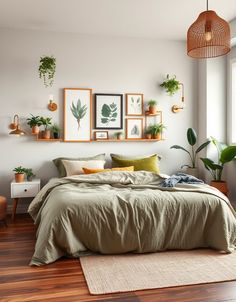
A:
[134,128]
[134,104]
[101,135]
[108,111]
[77,114]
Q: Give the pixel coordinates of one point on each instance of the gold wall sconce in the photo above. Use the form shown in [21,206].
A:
[15,126]
[178,108]
[52,106]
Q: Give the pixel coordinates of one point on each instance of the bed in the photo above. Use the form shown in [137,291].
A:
[122,212]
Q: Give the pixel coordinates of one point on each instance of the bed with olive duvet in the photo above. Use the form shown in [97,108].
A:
[128,212]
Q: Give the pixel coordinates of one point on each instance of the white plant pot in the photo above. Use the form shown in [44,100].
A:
[192,171]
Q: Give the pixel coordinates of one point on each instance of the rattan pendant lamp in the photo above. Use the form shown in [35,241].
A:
[208,36]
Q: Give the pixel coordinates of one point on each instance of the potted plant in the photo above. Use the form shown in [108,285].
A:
[47,69]
[156,130]
[19,174]
[148,132]
[118,135]
[55,129]
[225,154]
[29,174]
[171,85]
[46,121]
[34,122]
[192,140]
[152,107]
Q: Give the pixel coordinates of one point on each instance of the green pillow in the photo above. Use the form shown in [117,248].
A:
[149,163]
[61,169]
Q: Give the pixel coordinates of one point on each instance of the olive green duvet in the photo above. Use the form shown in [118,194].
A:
[121,212]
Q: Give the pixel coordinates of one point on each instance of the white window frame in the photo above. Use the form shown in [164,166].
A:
[231,104]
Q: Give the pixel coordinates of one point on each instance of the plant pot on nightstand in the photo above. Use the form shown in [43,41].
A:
[19,177]
[221,186]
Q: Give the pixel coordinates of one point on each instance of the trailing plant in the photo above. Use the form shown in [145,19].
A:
[34,121]
[19,170]
[152,103]
[78,111]
[225,154]
[192,140]
[45,121]
[171,85]
[109,113]
[47,69]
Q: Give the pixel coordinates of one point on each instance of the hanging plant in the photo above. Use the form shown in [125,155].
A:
[171,85]
[47,69]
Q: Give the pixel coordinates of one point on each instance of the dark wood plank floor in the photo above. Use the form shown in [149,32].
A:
[63,281]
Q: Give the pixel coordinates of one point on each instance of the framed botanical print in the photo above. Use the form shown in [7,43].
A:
[134,104]
[101,135]
[108,111]
[77,114]
[134,128]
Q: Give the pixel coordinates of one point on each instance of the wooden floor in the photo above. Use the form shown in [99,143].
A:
[63,280]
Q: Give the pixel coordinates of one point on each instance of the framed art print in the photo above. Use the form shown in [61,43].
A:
[134,104]
[100,135]
[134,128]
[108,111]
[77,114]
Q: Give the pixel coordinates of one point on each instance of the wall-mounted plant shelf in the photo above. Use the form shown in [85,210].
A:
[49,139]
[127,140]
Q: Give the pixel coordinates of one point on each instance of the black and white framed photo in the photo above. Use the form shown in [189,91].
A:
[134,104]
[134,128]
[101,135]
[108,111]
[77,114]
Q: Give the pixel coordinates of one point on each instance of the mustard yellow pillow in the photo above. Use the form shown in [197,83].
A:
[91,171]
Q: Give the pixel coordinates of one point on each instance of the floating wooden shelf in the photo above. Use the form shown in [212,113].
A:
[153,114]
[127,140]
[49,139]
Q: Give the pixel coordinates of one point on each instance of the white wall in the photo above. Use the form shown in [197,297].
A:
[107,65]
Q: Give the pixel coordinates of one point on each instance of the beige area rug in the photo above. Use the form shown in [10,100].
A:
[122,273]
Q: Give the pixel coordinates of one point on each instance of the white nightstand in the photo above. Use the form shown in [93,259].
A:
[22,190]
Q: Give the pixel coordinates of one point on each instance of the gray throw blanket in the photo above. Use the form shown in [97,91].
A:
[180,178]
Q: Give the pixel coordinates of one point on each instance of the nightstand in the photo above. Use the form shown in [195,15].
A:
[23,190]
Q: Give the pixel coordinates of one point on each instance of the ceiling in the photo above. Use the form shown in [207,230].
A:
[158,19]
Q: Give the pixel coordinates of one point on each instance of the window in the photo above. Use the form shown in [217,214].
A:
[232,108]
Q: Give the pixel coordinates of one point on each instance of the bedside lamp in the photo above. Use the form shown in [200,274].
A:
[16,126]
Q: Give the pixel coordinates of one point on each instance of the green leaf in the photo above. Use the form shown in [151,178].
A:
[114,114]
[106,111]
[192,136]
[228,154]
[209,164]
[203,146]
[104,120]
[179,147]
[113,120]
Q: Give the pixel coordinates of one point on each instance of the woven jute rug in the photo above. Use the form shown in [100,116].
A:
[130,272]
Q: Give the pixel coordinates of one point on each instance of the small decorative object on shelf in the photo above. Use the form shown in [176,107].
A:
[55,129]
[19,174]
[46,122]
[101,135]
[118,135]
[34,122]
[52,106]
[148,133]
[47,69]
[152,106]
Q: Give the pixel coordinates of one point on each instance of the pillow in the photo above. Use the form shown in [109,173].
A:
[91,171]
[61,169]
[150,163]
[75,167]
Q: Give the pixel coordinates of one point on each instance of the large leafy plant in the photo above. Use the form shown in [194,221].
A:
[45,121]
[78,111]
[47,69]
[192,140]
[225,154]
[109,113]
[34,121]
[171,85]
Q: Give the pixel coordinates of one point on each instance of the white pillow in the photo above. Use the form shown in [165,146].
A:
[75,167]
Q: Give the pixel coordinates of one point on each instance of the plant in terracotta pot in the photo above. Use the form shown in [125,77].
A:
[47,69]
[55,129]
[152,109]
[192,140]
[156,130]
[148,132]
[19,174]
[225,155]
[34,122]
[29,174]
[118,135]
[171,85]
[46,122]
